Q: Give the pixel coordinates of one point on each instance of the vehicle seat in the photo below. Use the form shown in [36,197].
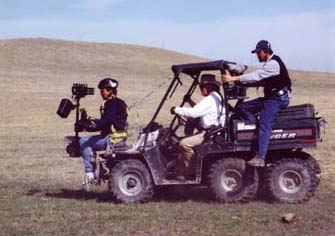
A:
[297,112]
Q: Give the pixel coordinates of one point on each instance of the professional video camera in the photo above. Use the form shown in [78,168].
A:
[66,106]
[78,91]
[235,90]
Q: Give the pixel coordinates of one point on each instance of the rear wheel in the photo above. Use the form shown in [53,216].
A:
[130,182]
[312,163]
[290,180]
[232,180]
[316,168]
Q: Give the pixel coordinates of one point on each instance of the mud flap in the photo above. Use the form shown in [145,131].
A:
[321,128]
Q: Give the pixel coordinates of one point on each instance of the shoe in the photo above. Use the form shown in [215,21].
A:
[88,180]
[90,176]
[257,162]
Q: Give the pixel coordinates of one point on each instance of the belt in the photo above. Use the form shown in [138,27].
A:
[282,92]
[278,93]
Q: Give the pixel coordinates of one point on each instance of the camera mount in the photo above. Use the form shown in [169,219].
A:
[66,106]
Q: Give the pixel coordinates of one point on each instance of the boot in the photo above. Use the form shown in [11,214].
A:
[257,162]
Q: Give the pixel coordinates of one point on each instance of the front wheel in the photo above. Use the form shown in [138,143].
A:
[232,180]
[130,182]
[290,181]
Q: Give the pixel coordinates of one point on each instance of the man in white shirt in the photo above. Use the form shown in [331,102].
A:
[211,112]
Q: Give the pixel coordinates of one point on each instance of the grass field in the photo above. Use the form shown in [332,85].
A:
[40,190]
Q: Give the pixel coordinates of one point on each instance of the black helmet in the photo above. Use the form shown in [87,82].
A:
[108,83]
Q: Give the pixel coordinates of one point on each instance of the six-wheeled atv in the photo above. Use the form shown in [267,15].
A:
[290,176]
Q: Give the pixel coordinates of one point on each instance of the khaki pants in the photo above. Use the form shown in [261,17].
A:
[186,163]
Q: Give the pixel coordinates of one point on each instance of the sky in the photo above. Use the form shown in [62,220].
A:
[301,32]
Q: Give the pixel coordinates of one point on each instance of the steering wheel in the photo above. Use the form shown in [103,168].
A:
[181,120]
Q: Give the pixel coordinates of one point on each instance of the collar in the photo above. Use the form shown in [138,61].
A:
[270,57]
[111,97]
[214,93]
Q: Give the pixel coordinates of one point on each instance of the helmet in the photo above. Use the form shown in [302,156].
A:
[108,83]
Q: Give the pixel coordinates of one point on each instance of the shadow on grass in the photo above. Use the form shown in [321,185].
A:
[72,194]
[182,194]
[197,194]
[162,194]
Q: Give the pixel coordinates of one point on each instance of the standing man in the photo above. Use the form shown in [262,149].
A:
[112,125]
[210,111]
[277,87]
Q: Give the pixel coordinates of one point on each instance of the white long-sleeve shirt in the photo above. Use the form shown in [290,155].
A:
[208,109]
[270,68]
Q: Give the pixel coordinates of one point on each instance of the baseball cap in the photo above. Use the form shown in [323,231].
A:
[262,45]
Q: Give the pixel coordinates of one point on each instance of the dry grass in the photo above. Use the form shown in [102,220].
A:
[40,188]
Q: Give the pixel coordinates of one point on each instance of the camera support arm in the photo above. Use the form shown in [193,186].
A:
[77,115]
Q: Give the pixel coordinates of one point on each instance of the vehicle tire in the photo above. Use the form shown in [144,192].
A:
[130,182]
[316,168]
[313,164]
[290,180]
[232,180]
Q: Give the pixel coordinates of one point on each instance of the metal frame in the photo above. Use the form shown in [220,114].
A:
[194,70]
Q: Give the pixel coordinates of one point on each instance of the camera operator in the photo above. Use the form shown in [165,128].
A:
[112,124]
[275,79]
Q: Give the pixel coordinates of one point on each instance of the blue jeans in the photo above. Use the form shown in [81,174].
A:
[268,109]
[89,144]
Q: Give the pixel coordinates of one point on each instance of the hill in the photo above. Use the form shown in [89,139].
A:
[40,188]
[44,69]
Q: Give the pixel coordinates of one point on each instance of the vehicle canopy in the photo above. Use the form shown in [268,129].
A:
[194,69]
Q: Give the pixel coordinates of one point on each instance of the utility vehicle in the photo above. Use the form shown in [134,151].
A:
[291,175]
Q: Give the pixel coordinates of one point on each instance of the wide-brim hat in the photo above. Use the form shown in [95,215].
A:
[209,79]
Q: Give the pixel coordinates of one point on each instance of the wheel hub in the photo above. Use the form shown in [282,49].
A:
[230,180]
[290,181]
[131,184]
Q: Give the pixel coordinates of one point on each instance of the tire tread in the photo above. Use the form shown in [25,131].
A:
[270,184]
[117,195]
[245,195]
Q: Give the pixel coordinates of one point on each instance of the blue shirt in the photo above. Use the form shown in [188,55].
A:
[270,68]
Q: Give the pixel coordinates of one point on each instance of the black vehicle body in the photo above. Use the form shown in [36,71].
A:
[157,147]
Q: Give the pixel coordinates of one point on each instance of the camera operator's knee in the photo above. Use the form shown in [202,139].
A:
[83,139]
